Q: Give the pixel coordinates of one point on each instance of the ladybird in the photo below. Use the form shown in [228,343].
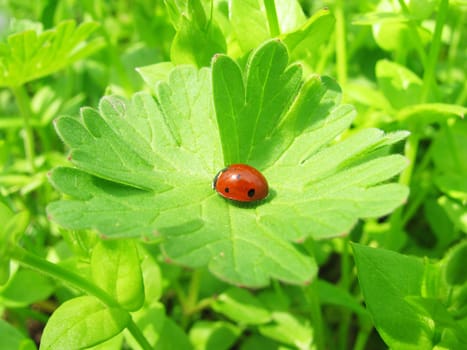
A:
[241,182]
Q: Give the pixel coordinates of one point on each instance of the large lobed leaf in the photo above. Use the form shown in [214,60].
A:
[29,55]
[145,167]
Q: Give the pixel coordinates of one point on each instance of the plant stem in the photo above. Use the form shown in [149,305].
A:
[341,49]
[273,22]
[193,291]
[345,285]
[24,105]
[138,335]
[312,297]
[57,272]
[430,67]
[415,36]
[362,338]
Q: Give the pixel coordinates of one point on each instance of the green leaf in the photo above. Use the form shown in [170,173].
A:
[387,279]
[307,39]
[242,307]
[160,331]
[145,167]
[152,279]
[401,86]
[82,322]
[333,295]
[250,15]
[450,148]
[453,184]
[207,335]
[13,339]
[197,38]
[289,329]
[11,230]
[115,267]
[428,113]
[24,288]
[29,55]
[456,211]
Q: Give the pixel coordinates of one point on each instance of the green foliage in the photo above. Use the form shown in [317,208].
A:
[424,318]
[131,247]
[14,339]
[29,55]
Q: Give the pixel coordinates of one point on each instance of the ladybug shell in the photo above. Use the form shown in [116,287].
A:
[241,182]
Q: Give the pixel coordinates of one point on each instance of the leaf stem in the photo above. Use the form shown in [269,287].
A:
[32,261]
[24,105]
[341,48]
[430,67]
[312,297]
[273,22]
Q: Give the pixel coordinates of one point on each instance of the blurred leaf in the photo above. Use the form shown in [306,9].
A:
[400,86]
[242,307]
[450,148]
[207,335]
[115,267]
[333,295]
[12,227]
[455,263]
[152,279]
[13,339]
[249,23]
[29,55]
[306,40]
[82,322]
[457,212]
[428,113]
[454,185]
[26,287]
[197,39]
[289,329]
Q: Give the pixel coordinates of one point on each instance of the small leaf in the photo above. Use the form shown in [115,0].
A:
[116,269]
[400,86]
[456,211]
[454,264]
[197,38]
[250,15]
[11,230]
[29,55]
[26,287]
[242,307]
[307,39]
[207,335]
[450,148]
[82,322]
[333,295]
[386,279]
[289,329]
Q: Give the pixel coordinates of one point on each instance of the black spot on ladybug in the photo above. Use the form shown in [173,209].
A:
[251,192]
[226,190]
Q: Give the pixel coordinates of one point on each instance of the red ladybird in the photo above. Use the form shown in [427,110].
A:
[241,182]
